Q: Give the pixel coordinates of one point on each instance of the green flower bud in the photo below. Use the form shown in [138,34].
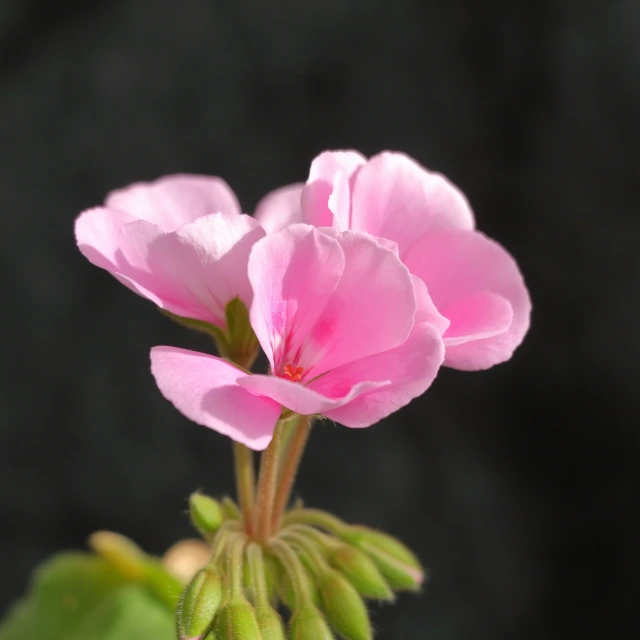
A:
[270,623]
[206,513]
[360,571]
[230,509]
[237,621]
[344,607]
[386,543]
[286,592]
[308,624]
[398,574]
[131,562]
[122,554]
[199,603]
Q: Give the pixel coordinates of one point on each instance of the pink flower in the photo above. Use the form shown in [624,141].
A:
[473,281]
[180,241]
[348,333]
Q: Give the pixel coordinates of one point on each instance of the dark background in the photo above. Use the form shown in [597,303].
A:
[516,485]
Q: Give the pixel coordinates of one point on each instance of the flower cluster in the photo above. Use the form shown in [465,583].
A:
[357,285]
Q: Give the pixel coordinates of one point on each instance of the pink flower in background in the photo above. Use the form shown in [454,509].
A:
[180,241]
[472,280]
[348,333]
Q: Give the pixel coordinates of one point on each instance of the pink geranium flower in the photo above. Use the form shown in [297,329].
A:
[473,281]
[348,333]
[180,241]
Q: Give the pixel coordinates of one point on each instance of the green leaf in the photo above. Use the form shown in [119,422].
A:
[77,596]
[128,614]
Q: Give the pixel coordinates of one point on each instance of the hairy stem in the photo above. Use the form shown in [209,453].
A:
[267,481]
[245,482]
[294,569]
[234,565]
[257,573]
[289,469]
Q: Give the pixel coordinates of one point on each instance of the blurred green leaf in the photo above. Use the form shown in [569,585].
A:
[77,596]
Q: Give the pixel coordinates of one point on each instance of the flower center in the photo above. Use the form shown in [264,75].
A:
[292,373]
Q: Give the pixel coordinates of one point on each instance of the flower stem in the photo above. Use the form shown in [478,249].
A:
[243,459]
[257,573]
[245,482]
[234,565]
[317,518]
[267,480]
[294,569]
[289,470]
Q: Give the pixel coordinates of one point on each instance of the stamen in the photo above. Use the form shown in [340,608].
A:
[292,373]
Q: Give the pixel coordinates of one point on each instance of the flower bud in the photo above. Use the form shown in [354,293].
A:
[344,607]
[270,623]
[360,571]
[397,573]
[206,513]
[308,623]
[230,509]
[122,554]
[386,543]
[199,603]
[236,621]
[286,592]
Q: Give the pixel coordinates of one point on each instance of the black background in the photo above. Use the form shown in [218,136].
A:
[516,485]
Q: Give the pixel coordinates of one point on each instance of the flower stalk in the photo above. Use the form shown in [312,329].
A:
[245,483]
[301,430]
[267,481]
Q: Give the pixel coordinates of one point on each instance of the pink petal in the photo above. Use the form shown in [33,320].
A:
[97,235]
[371,309]
[426,310]
[301,399]
[195,271]
[473,281]
[410,368]
[293,274]
[396,198]
[280,208]
[174,200]
[482,315]
[204,389]
[327,192]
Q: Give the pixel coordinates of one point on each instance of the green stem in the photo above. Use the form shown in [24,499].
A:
[317,518]
[234,565]
[245,482]
[289,469]
[243,461]
[320,538]
[221,538]
[257,572]
[294,569]
[318,562]
[267,481]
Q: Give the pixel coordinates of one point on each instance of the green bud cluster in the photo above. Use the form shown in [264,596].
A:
[321,569]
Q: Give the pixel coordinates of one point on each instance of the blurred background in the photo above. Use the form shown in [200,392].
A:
[516,486]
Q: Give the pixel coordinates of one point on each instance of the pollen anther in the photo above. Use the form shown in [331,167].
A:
[292,373]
